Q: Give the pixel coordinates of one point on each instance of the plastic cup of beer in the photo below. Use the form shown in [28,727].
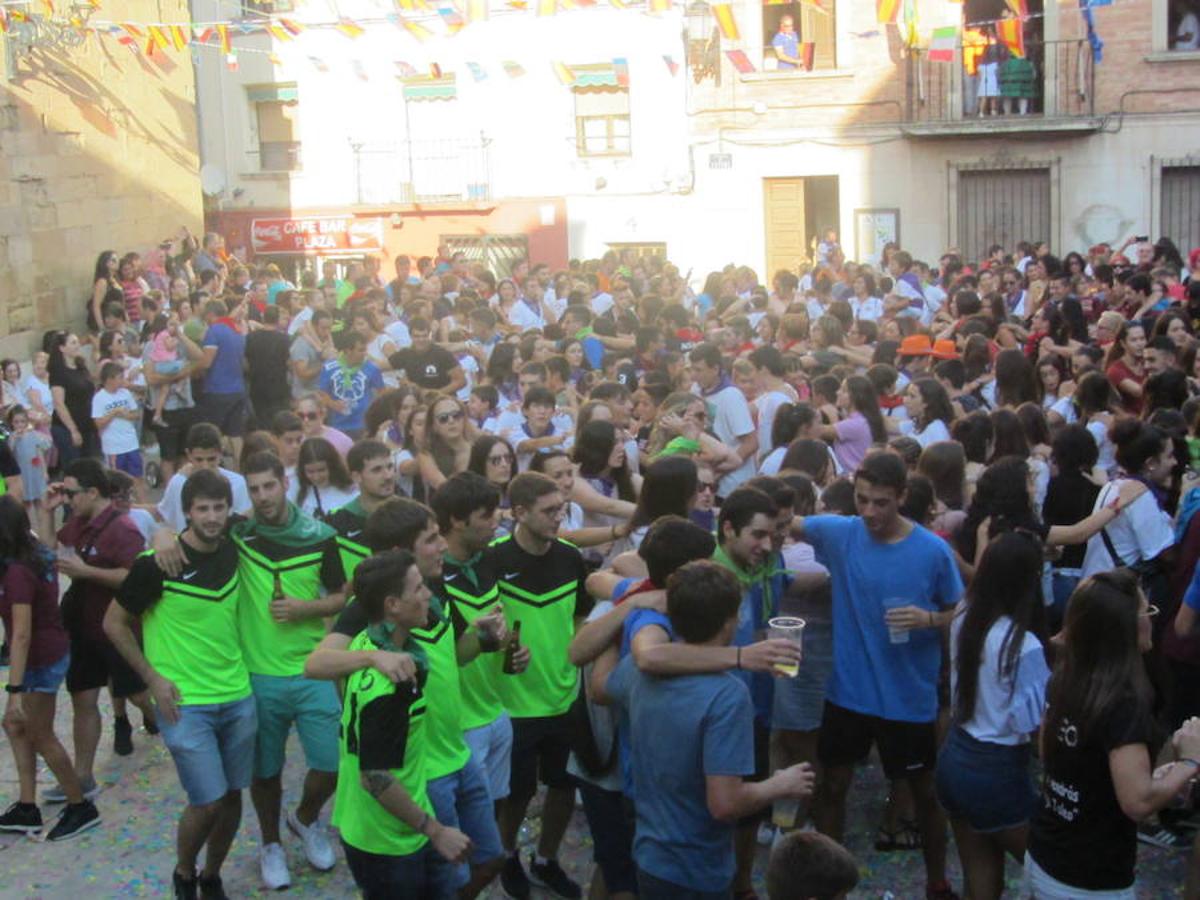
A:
[790,629]
[896,635]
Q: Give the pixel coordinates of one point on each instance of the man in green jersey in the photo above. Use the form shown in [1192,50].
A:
[395,845]
[193,665]
[467,507]
[374,473]
[291,580]
[457,787]
[541,584]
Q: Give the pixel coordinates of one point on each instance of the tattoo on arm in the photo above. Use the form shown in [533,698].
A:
[377,782]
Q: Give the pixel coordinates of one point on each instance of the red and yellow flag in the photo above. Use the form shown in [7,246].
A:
[158,37]
[1020,8]
[223,36]
[293,27]
[725,21]
[1011,33]
[886,11]
[349,28]
[179,37]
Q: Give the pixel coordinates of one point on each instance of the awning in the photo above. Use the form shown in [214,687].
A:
[265,93]
[426,88]
[603,75]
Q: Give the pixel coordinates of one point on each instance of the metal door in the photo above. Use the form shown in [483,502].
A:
[1181,206]
[1002,206]
[498,252]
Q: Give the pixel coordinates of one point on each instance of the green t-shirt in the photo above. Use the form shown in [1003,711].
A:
[546,595]
[190,623]
[447,751]
[280,648]
[384,726]
[349,522]
[472,591]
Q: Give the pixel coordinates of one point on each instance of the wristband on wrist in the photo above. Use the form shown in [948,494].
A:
[14,689]
[739,657]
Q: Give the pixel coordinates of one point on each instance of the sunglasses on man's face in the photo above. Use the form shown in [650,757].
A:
[706,487]
[310,416]
[446,417]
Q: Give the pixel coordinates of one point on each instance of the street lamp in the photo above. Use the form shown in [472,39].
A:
[703,42]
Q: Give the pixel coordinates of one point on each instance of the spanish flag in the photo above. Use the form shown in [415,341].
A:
[886,11]
[1011,33]
[1020,8]
[179,36]
[158,37]
[293,27]
[726,21]
[349,28]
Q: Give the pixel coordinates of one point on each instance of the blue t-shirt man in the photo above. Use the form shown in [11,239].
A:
[789,43]
[683,730]
[871,675]
[355,386]
[225,375]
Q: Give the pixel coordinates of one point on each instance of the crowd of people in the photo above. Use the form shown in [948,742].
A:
[687,556]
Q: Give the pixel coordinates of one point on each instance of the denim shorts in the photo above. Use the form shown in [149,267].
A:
[491,746]
[206,735]
[313,707]
[800,702]
[130,463]
[461,800]
[423,875]
[987,785]
[47,679]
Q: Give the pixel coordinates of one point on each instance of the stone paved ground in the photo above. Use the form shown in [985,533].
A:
[131,854]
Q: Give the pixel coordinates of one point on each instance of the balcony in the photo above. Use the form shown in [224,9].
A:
[435,171]
[942,102]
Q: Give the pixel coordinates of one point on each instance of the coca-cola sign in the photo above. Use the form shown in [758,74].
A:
[318,234]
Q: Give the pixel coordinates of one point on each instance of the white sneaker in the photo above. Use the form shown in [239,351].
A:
[272,862]
[318,849]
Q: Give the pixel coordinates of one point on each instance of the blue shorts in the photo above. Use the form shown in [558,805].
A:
[47,679]
[130,463]
[461,800]
[314,708]
[206,735]
[986,784]
[423,875]
[491,746]
[799,702]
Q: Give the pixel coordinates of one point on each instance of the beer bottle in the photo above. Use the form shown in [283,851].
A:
[510,650]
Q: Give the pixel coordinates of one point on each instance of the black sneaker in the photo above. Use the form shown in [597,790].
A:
[75,819]
[22,817]
[550,876]
[185,888]
[150,724]
[212,889]
[513,878]
[122,737]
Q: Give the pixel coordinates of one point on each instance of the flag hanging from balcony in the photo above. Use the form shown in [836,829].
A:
[672,66]
[886,11]
[740,61]
[1011,33]
[223,36]
[293,28]
[621,70]
[725,21]
[908,24]
[1089,19]
[942,42]
[808,53]
[1020,8]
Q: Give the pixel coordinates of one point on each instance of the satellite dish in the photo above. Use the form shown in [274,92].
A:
[212,179]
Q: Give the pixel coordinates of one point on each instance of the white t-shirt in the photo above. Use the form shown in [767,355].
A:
[1007,710]
[935,431]
[398,332]
[1107,460]
[170,507]
[299,319]
[601,303]
[32,386]
[523,316]
[730,416]
[868,310]
[767,405]
[119,435]
[1141,532]
[327,498]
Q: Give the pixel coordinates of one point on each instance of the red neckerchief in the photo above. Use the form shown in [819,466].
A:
[642,587]
[891,401]
[227,322]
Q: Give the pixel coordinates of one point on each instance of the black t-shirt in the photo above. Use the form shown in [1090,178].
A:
[9,467]
[1069,498]
[429,368]
[1080,836]
[267,353]
[77,394]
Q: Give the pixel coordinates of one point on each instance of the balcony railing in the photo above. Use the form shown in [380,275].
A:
[445,170]
[279,156]
[1063,88]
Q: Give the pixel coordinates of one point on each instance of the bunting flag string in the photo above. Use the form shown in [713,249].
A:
[942,44]
[740,61]
[672,66]
[723,12]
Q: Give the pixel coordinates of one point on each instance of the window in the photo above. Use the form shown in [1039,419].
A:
[275,110]
[1003,206]
[1183,26]
[635,251]
[499,253]
[808,27]
[1180,193]
[267,7]
[602,122]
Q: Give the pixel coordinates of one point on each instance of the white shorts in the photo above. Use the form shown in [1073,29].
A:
[1042,886]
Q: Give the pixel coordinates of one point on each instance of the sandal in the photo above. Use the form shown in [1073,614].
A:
[906,837]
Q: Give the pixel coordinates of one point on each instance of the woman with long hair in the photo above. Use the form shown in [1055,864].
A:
[493,458]
[39,656]
[448,444]
[669,488]
[998,677]
[325,485]
[604,487]
[572,351]
[1175,325]
[930,412]
[104,279]
[1124,368]
[71,386]
[1092,405]
[792,421]
[973,432]
[945,465]
[1015,380]
[1098,745]
[681,427]
[408,477]
[859,425]
[133,286]
[501,373]
[1070,497]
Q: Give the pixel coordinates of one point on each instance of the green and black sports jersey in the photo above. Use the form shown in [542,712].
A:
[545,594]
[350,521]
[447,751]
[384,727]
[190,623]
[472,590]
[280,648]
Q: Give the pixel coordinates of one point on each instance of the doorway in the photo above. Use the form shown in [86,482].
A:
[796,213]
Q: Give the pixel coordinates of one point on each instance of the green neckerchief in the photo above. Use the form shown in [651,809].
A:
[760,576]
[381,634]
[583,333]
[679,445]
[355,508]
[299,530]
[347,373]
[466,566]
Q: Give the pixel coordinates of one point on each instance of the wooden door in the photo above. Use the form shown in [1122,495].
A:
[783,213]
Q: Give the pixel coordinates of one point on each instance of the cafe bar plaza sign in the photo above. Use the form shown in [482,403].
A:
[317,234]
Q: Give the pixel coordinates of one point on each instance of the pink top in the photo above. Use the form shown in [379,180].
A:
[853,440]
